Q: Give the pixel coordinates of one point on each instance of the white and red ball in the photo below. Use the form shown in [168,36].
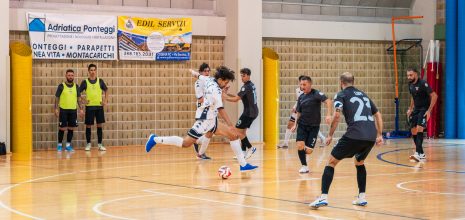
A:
[224,172]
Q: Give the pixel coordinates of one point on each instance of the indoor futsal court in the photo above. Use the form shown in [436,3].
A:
[232,109]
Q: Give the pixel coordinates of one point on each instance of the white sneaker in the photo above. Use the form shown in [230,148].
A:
[304,169]
[422,157]
[322,142]
[319,202]
[88,146]
[360,201]
[416,157]
[250,152]
[101,147]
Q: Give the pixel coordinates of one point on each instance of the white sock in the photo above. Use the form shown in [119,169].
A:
[200,140]
[287,136]
[361,195]
[68,144]
[324,196]
[236,147]
[60,144]
[171,140]
[204,146]
[321,136]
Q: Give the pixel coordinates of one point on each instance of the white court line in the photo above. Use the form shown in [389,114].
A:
[237,204]
[15,185]
[399,185]
[97,206]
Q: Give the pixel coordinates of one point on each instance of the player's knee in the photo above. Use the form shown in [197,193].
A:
[300,145]
[358,163]
[332,161]
[209,135]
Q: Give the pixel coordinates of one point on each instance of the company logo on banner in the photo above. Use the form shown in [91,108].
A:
[154,39]
[63,36]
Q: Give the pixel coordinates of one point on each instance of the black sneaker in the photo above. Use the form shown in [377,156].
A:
[204,157]
[196,148]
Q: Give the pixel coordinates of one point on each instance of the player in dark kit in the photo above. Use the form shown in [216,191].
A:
[248,95]
[308,119]
[422,102]
[364,127]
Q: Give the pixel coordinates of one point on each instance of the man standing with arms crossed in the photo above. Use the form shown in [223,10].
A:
[66,103]
[94,88]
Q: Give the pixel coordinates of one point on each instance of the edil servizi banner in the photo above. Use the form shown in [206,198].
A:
[65,36]
[154,38]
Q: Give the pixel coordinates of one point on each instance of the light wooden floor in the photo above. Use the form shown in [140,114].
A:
[170,183]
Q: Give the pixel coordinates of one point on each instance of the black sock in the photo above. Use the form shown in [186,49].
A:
[302,157]
[99,135]
[69,136]
[361,178]
[245,143]
[414,137]
[420,142]
[60,136]
[327,179]
[88,134]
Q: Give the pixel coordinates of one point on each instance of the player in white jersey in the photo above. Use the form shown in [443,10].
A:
[290,124]
[199,88]
[207,120]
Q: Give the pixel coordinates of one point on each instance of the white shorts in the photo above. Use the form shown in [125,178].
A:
[201,127]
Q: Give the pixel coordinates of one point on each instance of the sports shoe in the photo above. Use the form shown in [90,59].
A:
[283,146]
[417,157]
[59,148]
[360,201]
[150,143]
[203,157]
[422,158]
[69,148]
[196,148]
[250,152]
[88,146]
[304,169]
[101,147]
[322,142]
[319,202]
[248,167]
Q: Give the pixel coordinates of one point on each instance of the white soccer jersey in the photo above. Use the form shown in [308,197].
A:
[212,100]
[199,88]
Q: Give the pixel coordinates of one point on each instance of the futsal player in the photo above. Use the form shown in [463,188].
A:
[67,102]
[207,120]
[291,122]
[308,119]
[421,103]
[364,128]
[248,95]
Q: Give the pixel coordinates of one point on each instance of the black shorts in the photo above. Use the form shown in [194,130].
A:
[68,118]
[417,118]
[94,113]
[347,148]
[244,122]
[307,134]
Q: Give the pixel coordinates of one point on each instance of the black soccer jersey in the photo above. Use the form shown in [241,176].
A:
[358,111]
[249,99]
[420,92]
[309,107]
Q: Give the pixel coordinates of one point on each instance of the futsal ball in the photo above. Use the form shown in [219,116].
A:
[224,172]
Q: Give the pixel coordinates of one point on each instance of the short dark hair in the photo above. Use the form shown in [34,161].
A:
[301,76]
[224,73]
[203,66]
[307,78]
[246,71]
[412,69]
[347,78]
[69,71]
[91,65]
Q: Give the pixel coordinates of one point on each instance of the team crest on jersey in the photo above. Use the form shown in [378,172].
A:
[243,89]
[322,94]
[239,122]
[416,88]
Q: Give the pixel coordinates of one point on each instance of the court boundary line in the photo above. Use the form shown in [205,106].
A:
[399,185]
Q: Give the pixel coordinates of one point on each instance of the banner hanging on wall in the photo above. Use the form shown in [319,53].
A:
[154,39]
[65,36]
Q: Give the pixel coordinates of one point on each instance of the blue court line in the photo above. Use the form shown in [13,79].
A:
[380,157]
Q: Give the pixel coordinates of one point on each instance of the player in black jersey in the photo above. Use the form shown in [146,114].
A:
[422,102]
[308,119]
[364,127]
[248,95]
